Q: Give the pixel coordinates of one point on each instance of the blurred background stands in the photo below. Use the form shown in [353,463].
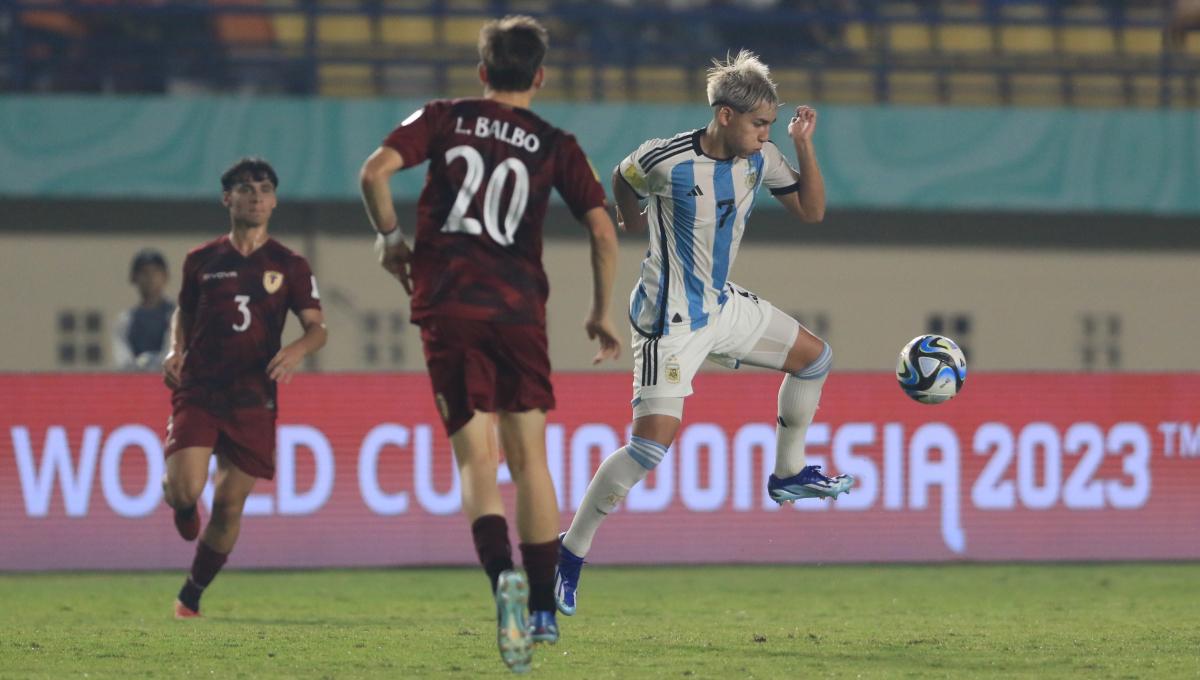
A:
[960,52]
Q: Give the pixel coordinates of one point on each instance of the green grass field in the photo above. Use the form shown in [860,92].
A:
[961,621]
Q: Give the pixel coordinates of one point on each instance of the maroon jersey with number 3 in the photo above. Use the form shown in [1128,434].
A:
[478,252]
[238,306]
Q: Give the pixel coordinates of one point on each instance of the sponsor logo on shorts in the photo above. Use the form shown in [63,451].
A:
[442,407]
[272,281]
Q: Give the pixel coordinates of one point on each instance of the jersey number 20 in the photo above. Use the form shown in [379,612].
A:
[458,222]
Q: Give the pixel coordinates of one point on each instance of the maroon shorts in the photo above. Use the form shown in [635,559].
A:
[246,436]
[486,366]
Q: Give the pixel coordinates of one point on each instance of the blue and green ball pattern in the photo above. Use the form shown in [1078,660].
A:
[931,369]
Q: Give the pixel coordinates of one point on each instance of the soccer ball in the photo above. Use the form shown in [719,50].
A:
[931,369]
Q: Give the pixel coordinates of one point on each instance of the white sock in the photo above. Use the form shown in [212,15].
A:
[616,476]
[798,398]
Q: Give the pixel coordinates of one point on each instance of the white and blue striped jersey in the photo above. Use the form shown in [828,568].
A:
[697,211]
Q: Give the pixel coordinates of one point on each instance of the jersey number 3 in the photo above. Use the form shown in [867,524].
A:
[243,302]
[458,222]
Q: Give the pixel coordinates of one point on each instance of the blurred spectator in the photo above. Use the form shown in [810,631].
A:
[142,46]
[141,333]
[145,46]
[52,47]
[780,30]
[1183,17]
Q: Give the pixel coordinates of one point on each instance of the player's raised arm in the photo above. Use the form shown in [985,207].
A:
[394,254]
[603,238]
[808,201]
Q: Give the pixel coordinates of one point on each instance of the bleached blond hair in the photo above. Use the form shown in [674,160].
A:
[741,82]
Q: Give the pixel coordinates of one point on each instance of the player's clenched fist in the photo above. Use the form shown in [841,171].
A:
[803,124]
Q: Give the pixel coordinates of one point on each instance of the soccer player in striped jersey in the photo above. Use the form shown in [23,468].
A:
[699,189]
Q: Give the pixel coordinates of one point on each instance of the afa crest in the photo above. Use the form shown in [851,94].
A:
[751,179]
[272,281]
[673,370]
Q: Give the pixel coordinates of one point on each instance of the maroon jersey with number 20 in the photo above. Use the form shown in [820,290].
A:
[478,252]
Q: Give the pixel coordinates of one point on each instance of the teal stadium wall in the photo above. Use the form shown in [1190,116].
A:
[943,158]
[1046,229]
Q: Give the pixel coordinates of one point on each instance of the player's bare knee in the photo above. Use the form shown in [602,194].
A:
[183,492]
[521,458]
[516,465]
[476,464]
[657,418]
[524,468]
[805,349]
[815,367]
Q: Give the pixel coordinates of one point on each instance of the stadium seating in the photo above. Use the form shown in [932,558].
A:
[984,52]
[407,31]
[964,38]
[914,87]
[973,89]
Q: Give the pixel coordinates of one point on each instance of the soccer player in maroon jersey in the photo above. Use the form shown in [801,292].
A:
[479,292]
[225,361]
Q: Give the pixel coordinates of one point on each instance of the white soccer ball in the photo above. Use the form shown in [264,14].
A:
[931,369]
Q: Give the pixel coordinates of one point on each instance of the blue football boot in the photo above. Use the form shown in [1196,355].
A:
[566,578]
[543,627]
[808,483]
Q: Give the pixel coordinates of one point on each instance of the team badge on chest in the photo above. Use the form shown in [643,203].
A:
[751,177]
[272,281]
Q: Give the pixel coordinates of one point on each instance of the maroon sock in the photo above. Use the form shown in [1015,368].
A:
[204,569]
[540,560]
[492,546]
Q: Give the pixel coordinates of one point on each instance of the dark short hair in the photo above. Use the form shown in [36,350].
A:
[512,50]
[146,257]
[249,168]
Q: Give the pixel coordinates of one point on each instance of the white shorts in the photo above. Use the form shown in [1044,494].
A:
[665,366]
